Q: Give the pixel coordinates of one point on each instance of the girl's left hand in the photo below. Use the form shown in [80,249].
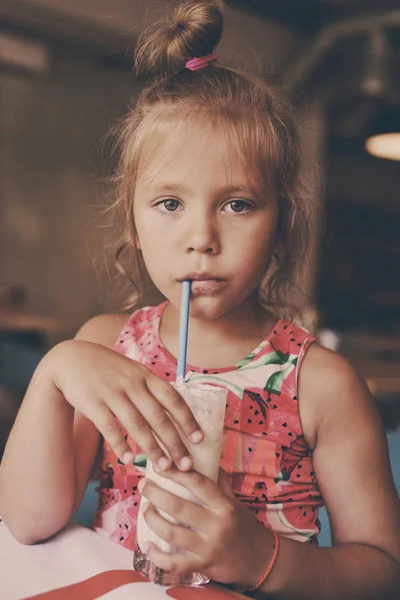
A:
[225,541]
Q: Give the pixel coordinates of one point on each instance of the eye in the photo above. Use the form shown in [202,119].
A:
[239,206]
[169,205]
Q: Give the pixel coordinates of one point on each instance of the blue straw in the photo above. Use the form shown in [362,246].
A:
[183,331]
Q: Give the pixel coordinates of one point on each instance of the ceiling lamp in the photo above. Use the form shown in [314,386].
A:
[385,145]
[383,138]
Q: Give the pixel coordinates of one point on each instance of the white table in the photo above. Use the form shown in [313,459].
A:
[80,564]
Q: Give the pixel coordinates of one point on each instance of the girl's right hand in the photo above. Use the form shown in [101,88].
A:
[105,385]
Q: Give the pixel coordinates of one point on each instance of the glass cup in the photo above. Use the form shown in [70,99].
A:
[207,404]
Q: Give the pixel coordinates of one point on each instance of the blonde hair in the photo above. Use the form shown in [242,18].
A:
[252,116]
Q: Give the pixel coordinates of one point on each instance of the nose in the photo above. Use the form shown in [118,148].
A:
[203,235]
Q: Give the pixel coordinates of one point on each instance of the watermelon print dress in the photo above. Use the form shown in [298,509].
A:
[265,455]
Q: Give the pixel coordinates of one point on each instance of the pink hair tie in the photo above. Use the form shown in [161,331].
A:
[194,64]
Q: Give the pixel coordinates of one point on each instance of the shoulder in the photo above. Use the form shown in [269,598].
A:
[103,329]
[326,372]
[330,392]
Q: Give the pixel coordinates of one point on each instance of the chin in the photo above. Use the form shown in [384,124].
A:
[208,308]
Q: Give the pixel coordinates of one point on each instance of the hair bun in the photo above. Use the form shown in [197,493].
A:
[193,29]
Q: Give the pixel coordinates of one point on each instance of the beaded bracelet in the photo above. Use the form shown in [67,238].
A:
[270,565]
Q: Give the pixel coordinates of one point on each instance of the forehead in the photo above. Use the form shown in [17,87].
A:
[176,149]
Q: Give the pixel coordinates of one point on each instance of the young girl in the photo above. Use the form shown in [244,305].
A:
[209,186]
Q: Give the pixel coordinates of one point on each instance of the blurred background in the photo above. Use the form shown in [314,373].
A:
[65,80]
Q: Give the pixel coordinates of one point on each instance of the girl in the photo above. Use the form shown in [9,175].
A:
[209,186]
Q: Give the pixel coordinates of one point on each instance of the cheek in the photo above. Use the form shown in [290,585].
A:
[255,245]
[151,231]
[157,253]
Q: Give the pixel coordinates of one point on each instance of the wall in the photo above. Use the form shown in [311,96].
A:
[52,139]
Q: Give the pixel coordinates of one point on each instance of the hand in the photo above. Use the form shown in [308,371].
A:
[225,541]
[104,385]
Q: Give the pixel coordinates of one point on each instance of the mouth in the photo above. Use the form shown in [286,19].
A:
[204,284]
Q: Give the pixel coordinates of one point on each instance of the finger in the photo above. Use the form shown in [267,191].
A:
[106,423]
[202,487]
[176,535]
[176,407]
[156,417]
[138,428]
[224,483]
[179,564]
[183,511]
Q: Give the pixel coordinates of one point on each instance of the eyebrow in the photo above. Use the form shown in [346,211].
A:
[173,187]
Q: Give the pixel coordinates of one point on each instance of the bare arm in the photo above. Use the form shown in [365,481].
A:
[50,451]
[352,468]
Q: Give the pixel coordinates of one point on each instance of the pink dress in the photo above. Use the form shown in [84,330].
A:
[265,455]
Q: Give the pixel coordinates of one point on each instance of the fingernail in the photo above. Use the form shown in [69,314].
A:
[185,463]
[128,458]
[196,436]
[141,484]
[164,463]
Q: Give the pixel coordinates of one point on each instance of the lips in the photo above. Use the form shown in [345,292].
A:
[206,286]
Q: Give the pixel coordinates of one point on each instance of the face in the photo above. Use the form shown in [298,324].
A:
[201,214]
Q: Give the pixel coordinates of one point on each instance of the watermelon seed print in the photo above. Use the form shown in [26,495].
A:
[252,405]
[256,398]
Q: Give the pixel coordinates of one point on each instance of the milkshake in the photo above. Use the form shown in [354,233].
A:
[207,404]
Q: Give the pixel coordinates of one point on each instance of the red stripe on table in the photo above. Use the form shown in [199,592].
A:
[92,588]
